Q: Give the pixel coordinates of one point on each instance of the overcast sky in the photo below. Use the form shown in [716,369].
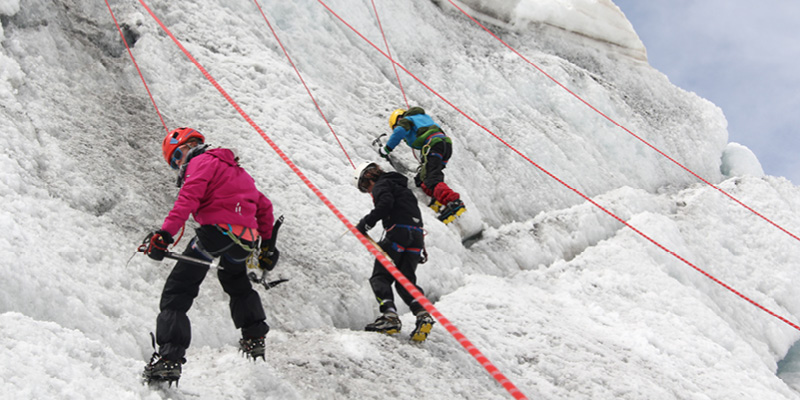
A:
[743,56]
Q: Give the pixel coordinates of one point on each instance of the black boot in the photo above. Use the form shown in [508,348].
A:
[253,347]
[162,370]
[387,323]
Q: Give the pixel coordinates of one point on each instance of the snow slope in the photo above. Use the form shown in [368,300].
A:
[565,300]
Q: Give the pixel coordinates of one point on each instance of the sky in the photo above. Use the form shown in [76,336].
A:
[563,299]
[742,57]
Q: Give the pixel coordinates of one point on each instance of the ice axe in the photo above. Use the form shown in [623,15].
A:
[254,260]
[377,144]
[215,264]
[180,257]
[271,284]
[263,280]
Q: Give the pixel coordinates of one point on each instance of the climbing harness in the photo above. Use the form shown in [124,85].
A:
[248,234]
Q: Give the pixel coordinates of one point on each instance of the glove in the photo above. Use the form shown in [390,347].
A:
[384,152]
[424,257]
[363,227]
[155,244]
[268,258]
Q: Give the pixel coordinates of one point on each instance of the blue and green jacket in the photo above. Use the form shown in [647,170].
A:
[417,129]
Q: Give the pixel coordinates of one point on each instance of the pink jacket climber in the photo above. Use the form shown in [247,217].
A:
[216,190]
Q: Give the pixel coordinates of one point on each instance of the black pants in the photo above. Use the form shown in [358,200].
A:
[434,163]
[173,330]
[403,245]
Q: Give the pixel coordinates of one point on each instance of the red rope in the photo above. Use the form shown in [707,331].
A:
[626,129]
[137,66]
[304,83]
[389,51]
[526,158]
[363,239]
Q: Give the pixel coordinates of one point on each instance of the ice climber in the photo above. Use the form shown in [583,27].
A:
[420,132]
[397,209]
[232,214]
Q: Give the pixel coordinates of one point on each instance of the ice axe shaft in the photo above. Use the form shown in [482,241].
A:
[215,264]
[196,261]
[377,144]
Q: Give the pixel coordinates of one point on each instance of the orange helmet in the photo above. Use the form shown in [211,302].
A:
[396,114]
[178,138]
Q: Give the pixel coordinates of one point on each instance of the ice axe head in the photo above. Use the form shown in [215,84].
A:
[377,140]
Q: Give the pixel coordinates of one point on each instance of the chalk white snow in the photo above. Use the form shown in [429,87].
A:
[565,300]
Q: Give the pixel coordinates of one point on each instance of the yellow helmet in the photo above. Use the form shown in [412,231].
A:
[396,114]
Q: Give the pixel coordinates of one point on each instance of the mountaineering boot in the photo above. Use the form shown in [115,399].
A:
[387,323]
[162,370]
[451,210]
[424,325]
[435,205]
[252,347]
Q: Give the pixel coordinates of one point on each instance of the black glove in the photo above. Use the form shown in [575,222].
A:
[155,244]
[268,258]
[417,180]
[363,227]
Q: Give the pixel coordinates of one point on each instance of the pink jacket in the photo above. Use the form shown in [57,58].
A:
[218,191]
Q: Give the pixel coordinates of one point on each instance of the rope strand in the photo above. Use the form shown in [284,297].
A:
[363,239]
[304,83]
[548,173]
[726,194]
[389,51]
[135,64]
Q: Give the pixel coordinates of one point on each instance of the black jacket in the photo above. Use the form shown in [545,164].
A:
[394,202]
